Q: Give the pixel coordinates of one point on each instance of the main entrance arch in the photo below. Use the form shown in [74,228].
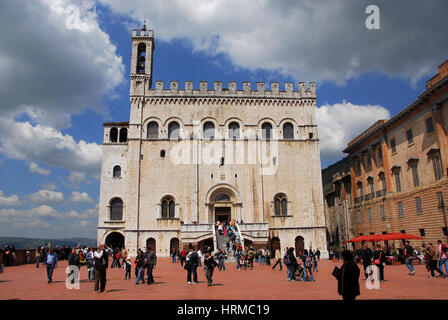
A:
[115,240]
[224,203]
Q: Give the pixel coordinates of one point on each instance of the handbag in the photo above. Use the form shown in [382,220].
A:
[336,272]
[378,261]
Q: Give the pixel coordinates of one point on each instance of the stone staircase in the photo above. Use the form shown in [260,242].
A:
[221,241]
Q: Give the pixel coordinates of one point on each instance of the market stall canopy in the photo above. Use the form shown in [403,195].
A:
[383,237]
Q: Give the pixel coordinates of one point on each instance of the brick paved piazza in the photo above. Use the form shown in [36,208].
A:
[27,282]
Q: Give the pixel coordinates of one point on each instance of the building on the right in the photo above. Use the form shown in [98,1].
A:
[398,169]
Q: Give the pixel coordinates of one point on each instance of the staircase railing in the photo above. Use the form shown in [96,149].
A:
[240,235]
[215,243]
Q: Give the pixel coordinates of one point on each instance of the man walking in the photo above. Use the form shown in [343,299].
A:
[278,257]
[365,254]
[151,259]
[192,261]
[409,254]
[101,264]
[183,257]
[443,250]
[51,261]
[433,262]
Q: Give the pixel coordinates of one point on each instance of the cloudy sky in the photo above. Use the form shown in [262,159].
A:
[61,77]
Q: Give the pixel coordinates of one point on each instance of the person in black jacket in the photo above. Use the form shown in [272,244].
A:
[73,260]
[365,254]
[151,261]
[140,266]
[101,264]
[210,265]
[292,265]
[191,266]
[348,277]
[379,259]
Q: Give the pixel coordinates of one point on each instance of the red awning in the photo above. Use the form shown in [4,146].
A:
[383,237]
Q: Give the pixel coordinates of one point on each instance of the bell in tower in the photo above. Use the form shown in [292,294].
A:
[141,60]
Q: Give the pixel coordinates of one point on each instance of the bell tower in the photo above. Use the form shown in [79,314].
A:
[141,61]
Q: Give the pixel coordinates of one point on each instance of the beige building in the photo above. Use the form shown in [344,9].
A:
[190,157]
[398,171]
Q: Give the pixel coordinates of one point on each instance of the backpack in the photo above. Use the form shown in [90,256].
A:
[444,248]
[308,261]
[286,260]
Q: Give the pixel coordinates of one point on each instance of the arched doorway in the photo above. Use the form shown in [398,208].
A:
[248,243]
[204,244]
[224,203]
[299,244]
[174,244]
[275,244]
[151,242]
[115,240]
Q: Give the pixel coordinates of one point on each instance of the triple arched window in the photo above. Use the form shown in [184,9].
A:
[168,207]
[281,204]
[116,209]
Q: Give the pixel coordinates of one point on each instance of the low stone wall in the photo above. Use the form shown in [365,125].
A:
[20,257]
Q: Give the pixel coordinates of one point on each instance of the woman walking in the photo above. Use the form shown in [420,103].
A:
[379,259]
[140,266]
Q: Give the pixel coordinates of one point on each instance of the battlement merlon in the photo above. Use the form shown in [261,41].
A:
[142,33]
[231,90]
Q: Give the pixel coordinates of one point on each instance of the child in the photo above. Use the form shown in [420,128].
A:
[128,269]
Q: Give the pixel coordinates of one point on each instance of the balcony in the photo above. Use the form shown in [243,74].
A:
[359,199]
[380,193]
[369,196]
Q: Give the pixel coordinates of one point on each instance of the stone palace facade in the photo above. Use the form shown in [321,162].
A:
[190,157]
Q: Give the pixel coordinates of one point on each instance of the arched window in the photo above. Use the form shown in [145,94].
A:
[116,209]
[168,206]
[234,130]
[281,205]
[113,135]
[209,130]
[123,135]
[288,131]
[153,130]
[266,131]
[173,130]
[117,172]
[141,58]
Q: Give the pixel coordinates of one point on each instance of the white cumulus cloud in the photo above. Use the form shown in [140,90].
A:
[47,196]
[34,167]
[339,123]
[80,197]
[12,200]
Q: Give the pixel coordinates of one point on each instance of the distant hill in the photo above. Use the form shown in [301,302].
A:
[22,243]
[327,173]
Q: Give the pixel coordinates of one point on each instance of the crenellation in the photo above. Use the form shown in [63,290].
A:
[246,86]
[218,87]
[142,33]
[174,86]
[203,86]
[231,90]
[159,86]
